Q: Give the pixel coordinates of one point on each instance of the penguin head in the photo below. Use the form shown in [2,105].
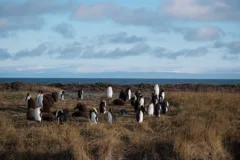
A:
[95,110]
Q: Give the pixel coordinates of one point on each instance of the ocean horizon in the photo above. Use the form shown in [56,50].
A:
[121,81]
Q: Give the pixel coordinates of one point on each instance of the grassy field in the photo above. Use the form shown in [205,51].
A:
[199,125]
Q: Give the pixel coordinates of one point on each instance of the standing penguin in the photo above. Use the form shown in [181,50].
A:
[156,90]
[154,99]
[151,109]
[27,98]
[102,106]
[37,114]
[157,110]
[93,115]
[128,91]
[80,93]
[162,95]
[37,99]
[141,100]
[110,116]
[109,92]
[62,95]
[40,99]
[139,116]
[165,106]
[133,100]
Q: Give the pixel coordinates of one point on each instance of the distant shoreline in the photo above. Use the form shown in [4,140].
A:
[122,81]
[101,87]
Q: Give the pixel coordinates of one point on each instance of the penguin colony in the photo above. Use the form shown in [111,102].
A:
[40,109]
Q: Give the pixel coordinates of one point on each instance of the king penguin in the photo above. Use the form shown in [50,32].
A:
[102,106]
[139,116]
[109,92]
[93,115]
[110,116]
[151,109]
[37,114]
[156,90]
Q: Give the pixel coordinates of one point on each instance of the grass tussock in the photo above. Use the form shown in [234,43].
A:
[198,126]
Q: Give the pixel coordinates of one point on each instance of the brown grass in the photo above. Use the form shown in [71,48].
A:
[198,126]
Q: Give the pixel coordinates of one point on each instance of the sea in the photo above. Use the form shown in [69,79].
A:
[120,81]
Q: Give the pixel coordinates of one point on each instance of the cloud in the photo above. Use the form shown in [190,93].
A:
[201,33]
[65,29]
[11,25]
[121,37]
[121,15]
[4,54]
[17,16]
[232,47]
[35,52]
[214,10]
[135,50]
[34,8]
[196,52]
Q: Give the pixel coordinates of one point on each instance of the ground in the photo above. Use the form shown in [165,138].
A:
[199,125]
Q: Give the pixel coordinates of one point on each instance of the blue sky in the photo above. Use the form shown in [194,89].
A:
[121,38]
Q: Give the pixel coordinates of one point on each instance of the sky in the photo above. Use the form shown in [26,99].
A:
[120,39]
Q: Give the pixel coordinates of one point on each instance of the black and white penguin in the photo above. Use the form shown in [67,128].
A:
[80,94]
[103,106]
[161,96]
[154,99]
[62,92]
[37,99]
[157,110]
[141,100]
[128,91]
[37,114]
[62,115]
[123,95]
[133,100]
[151,109]
[110,117]
[139,115]
[93,115]
[109,92]
[137,94]
[27,98]
[156,90]
[165,106]
[123,112]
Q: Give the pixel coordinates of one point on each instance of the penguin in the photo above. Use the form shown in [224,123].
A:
[161,96]
[139,116]
[123,112]
[62,95]
[154,99]
[40,99]
[157,110]
[141,100]
[128,91]
[102,106]
[123,95]
[137,94]
[59,112]
[156,89]
[38,114]
[27,98]
[110,116]
[151,109]
[37,99]
[165,106]
[80,94]
[109,92]
[133,100]
[62,115]
[93,115]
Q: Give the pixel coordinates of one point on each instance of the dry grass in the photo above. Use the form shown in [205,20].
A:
[198,126]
